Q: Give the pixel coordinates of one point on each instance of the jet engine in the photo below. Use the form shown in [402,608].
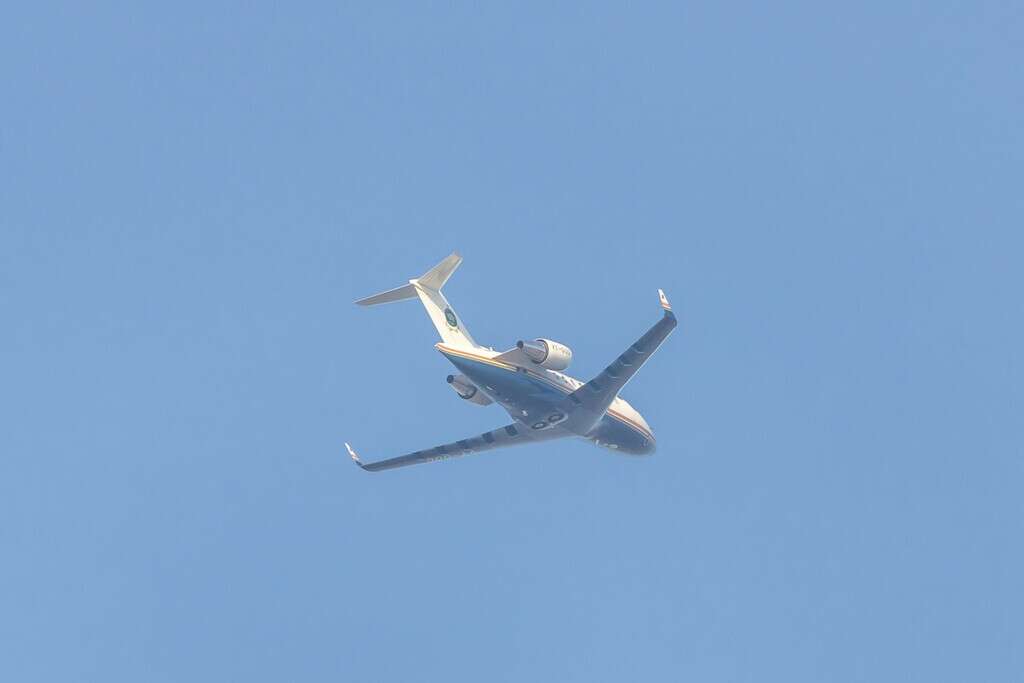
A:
[468,391]
[547,353]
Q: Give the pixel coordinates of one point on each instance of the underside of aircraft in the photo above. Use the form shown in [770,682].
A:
[528,382]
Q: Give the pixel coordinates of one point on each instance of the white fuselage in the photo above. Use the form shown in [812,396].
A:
[532,395]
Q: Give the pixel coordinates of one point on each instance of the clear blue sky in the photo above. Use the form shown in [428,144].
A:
[192,196]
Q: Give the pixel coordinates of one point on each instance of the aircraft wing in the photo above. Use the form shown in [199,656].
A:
[591,400]
[510,435]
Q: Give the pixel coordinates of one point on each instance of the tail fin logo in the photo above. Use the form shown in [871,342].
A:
[450,317]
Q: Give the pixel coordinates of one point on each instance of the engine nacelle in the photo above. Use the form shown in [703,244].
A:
[467,390]
[547,353]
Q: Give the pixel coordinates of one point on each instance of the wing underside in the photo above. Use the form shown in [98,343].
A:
[590,401]
[503,437]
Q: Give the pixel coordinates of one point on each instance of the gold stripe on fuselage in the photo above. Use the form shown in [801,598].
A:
[508,366]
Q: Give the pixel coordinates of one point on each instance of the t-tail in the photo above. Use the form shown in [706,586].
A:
[428,288]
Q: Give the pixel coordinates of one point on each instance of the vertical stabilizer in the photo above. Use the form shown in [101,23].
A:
[428,288]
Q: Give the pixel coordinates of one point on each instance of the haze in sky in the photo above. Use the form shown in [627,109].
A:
[192,195]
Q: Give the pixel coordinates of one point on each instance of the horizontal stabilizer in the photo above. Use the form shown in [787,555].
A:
[438,275]
[427,289]
[397,294]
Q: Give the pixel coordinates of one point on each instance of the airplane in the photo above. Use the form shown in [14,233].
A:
[528,382]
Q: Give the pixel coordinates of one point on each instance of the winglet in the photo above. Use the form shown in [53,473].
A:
[664,301]
[355,458]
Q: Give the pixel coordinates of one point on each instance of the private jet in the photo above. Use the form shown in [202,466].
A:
[528,382]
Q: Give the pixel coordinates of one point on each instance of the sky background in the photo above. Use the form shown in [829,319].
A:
[191,196]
